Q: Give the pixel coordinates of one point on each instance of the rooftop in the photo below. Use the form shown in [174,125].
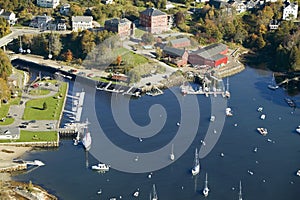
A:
[179,41]
[82,18]
[173,51]
[210,51]
[152,12]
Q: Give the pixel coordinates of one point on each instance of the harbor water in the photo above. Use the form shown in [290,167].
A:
[67,173]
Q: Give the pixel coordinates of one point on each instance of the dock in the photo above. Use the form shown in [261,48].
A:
[77,108]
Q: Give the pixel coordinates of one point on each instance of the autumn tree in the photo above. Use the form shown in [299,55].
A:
[147,38]
[55,44]
[158,53]
[4,27]
[68,56]
[119,60]
[5,65]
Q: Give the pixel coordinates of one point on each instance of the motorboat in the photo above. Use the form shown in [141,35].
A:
[206,189]
[298,172]
[196,168]
[136,193]
[262,131]
[263,116]
[228,112]
[260,109]
[100,167]
[212,118]
[298,129]
[273,87]
[290,102]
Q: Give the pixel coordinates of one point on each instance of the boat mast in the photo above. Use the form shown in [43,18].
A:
[154,193]
[196,157]
[240,193]
[206,182]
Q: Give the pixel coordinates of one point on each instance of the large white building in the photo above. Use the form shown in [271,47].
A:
[48,3]
[290,11]
[82,22]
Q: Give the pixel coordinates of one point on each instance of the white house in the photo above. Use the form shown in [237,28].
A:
[290,11]
[82,22]
[9,16]
[47,3]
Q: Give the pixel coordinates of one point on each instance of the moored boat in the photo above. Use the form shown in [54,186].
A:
[228,112]
[262,131]
[172,155]
[196,168]
[212,118]
[206,189]
[298,129]
[298,172]
[290,102]
[100,167]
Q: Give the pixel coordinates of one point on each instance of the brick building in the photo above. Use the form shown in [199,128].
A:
[155,21]
[176,56]
[123,27]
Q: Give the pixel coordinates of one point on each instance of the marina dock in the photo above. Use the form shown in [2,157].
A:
[76,105]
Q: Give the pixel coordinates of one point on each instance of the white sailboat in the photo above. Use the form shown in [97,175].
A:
[240,193]
[196,168]
[227,93]
[206,189]
[172,155]
[273,85]
[154,193]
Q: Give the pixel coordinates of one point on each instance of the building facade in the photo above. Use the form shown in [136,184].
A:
[176,56]
[9,16]
[123,27]
[47,3]
[41,22]
[154,21]
[82,23]
[212,55]
[290,11]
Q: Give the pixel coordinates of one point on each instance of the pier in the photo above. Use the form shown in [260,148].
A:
[77,108]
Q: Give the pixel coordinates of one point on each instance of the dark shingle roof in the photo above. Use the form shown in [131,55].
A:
[152,12]
[173,51]
[210,51]
[6,13]
[178,41]
[116,21]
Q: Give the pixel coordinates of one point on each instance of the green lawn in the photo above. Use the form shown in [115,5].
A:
[130,57]
[38,91]
[3,113]
[35,136]
[138,33]
[34,108]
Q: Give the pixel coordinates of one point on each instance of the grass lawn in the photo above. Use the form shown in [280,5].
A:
[131,58]
[34,108]
[3,113]
[39,92]
[35,136]
[138,33]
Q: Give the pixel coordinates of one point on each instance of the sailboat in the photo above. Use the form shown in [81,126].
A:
[205,190]
[154,194]
[172,155]
[87,139]
[196,168]
[227,93]
[240,193]
[273,85]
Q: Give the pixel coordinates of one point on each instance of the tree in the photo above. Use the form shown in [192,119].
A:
[134,76]
[147,38]
[55,44]
[68,56]
[119,60]
[5,65]
[30,186]
[44,106]
[4,90]
[158,53]
[4,27]
[179,18]
[295,58]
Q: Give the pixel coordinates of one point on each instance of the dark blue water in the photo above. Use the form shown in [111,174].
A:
[66,173]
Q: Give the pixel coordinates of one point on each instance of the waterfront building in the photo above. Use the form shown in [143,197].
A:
[212,55]
[123,27]
[82,23]
[47,3]
[154,20]
[176,56]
